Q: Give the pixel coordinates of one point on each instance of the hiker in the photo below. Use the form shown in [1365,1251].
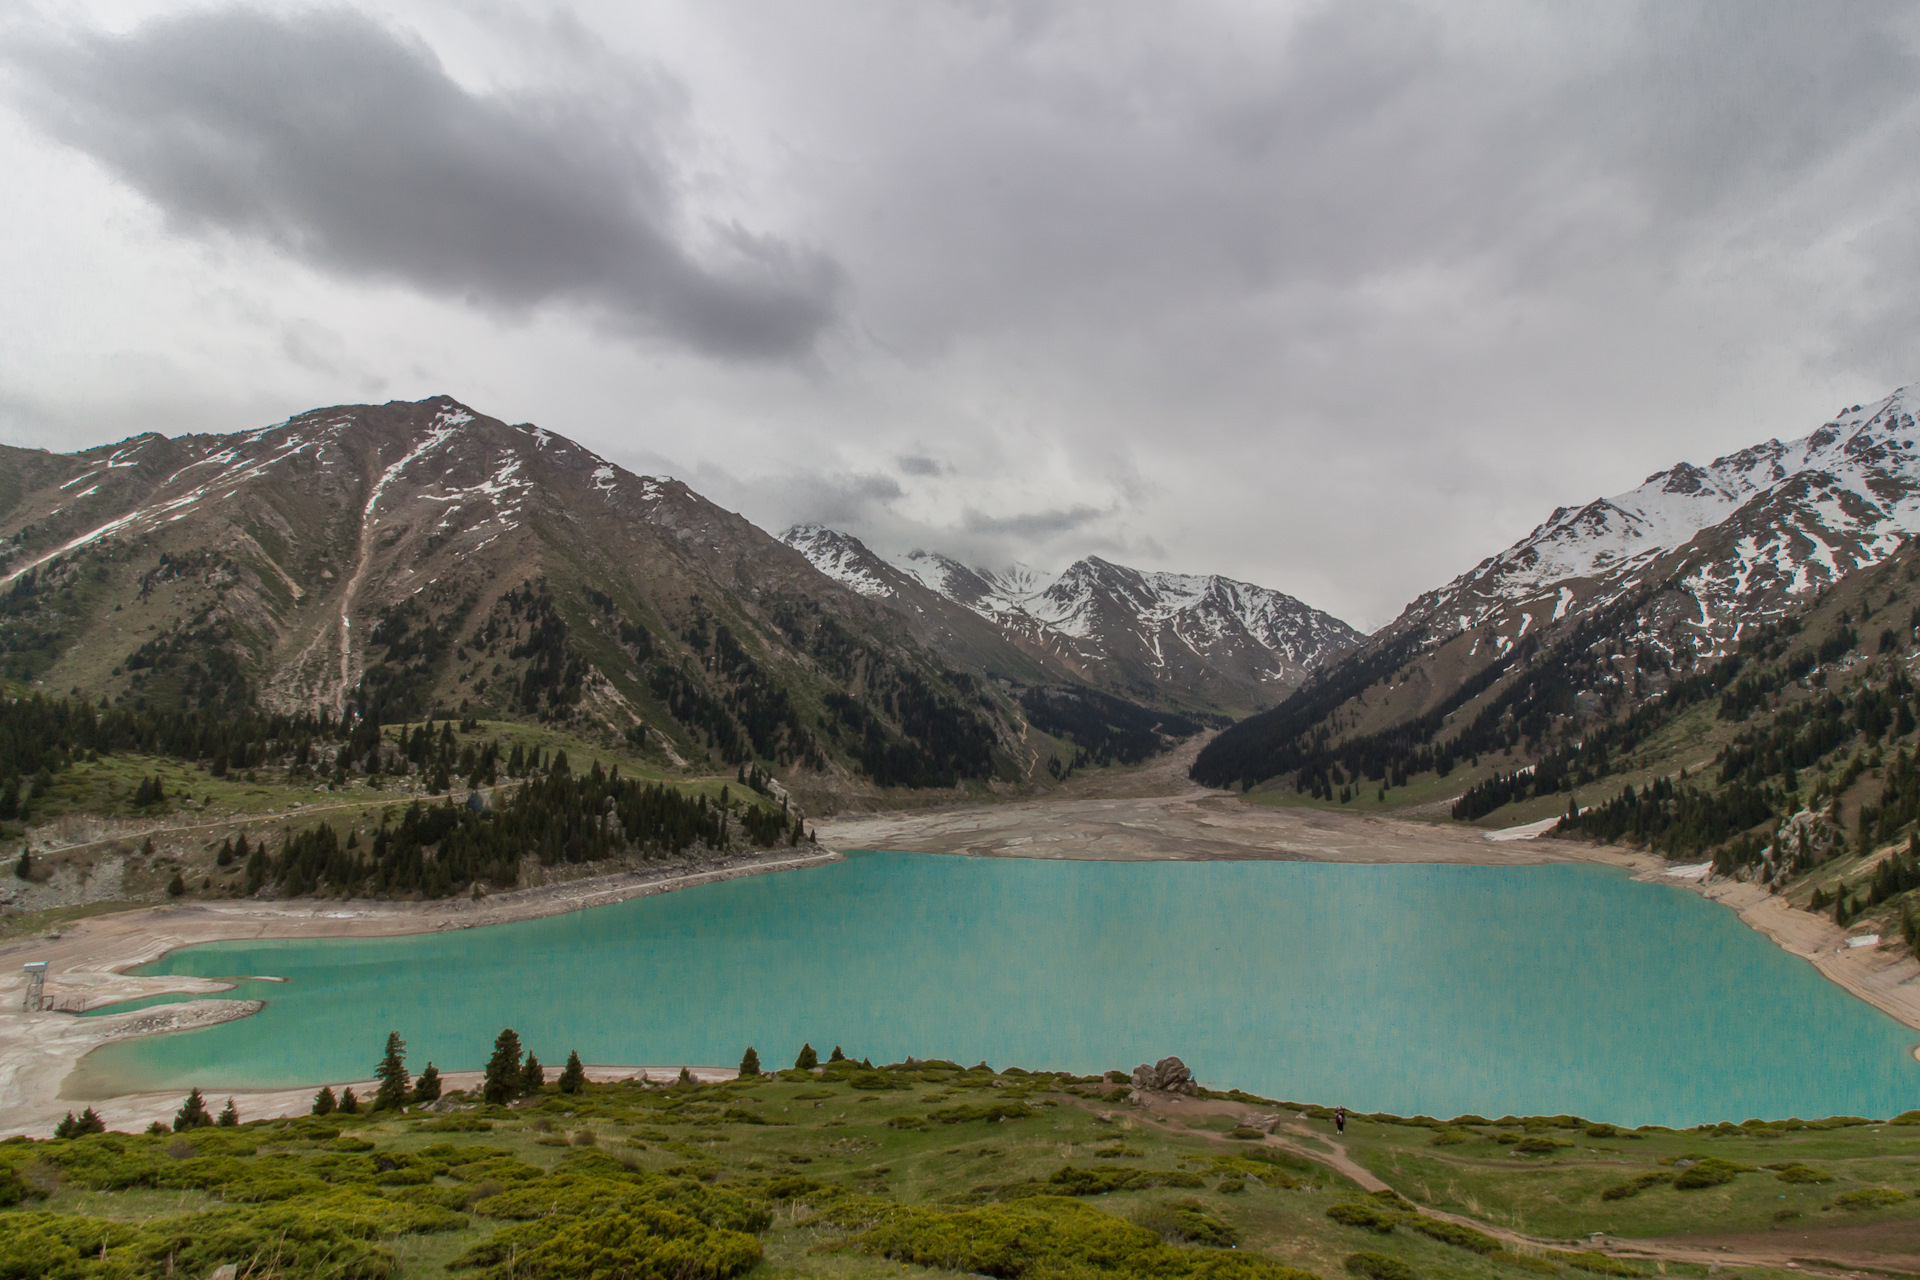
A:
[1339,1119]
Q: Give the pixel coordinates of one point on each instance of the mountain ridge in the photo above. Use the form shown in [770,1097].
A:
[1192,639]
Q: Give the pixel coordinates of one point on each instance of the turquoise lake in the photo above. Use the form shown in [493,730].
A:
[1434,990]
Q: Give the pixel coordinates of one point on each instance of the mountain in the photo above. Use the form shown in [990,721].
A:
[1191,640]
[1603,605]
[412,558]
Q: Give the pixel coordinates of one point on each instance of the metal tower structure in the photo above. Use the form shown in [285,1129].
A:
[36,997]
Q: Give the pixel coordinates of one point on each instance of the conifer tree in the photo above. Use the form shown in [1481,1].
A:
[192,1114]
[836,1055]
[229,1116]
[533,1077]
[349,1105]
[392,1074]
[323,1102]
[65,1128]
[807,1060]
[686,1077]
[750,1063]
[426,1088]
[574,1076]
[89,1122]
[176,886]
[502,1081]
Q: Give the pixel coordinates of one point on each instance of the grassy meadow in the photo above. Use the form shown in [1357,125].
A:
[924,1169]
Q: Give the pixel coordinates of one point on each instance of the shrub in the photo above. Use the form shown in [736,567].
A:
[1539,1145]
[646,1242]
[1598,1263]
[1378,1266]
[1870,1198]
[1525,1262]
[992,1111]
[1633,1186]
[1711,1172]
[1186,1222]
[1045,1236]
[1245,1134]
[1906,1117]
[1069,1180]
[1453,1233]
[807,1060]
[1798,1172]
[1364,1216]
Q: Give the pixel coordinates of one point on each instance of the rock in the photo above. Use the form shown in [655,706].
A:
[231,1269]
[1169,1075]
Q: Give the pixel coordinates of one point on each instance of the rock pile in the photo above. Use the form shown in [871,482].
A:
[1169,1075]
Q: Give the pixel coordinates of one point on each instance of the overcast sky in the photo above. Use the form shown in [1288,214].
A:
[1336,298]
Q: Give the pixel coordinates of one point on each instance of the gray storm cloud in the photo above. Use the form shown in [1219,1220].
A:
[337,141]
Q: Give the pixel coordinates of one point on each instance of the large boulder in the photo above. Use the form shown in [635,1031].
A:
[1169,1075]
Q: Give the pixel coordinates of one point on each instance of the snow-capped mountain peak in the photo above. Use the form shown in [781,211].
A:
[1776,519]
[1183,630]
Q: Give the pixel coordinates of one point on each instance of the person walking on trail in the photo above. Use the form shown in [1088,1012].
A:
[1340,1120]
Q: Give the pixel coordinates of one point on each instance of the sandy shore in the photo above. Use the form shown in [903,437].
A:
[88,963]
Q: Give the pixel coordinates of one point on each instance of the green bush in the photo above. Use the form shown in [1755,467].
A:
[1041,1239]
[1364,1216]
[56,1246]
[1711,1172]
[1378,1266]
[1906,1117]
[1597,1263]
[1797,1172]
[1186,1222]
[1633,1186]
[1070,1180]
[992,1111]
[1453,1233]
[1537,1146]
[1524,1261]
[1870,1198]
[646,1242]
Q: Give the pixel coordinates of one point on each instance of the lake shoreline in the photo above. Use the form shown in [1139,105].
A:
[90,960]
[1201,825]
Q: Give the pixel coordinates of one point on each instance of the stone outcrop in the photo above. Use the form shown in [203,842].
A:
[1169,1075]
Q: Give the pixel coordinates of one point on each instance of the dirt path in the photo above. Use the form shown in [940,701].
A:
[1846,1251]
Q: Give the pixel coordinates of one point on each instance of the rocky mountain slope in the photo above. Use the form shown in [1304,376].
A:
[1192,640]
[1607,604]
[410,558]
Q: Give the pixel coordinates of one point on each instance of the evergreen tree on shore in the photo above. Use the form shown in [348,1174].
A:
[349,1105]
[192,1114]
[324,1102]
[750,1063]
[836,1055]
[392,1074]
[807,1060]
[534,1077]
[502,1081]
[229,1116]
[427,1087]
[574,1076]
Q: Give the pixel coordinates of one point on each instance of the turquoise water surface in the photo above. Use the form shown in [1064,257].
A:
[1413,989]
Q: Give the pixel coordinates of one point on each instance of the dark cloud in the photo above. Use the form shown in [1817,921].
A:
[350,148]
[1032,526]
[913,464]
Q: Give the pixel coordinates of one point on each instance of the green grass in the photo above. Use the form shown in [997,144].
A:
[834,1180]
